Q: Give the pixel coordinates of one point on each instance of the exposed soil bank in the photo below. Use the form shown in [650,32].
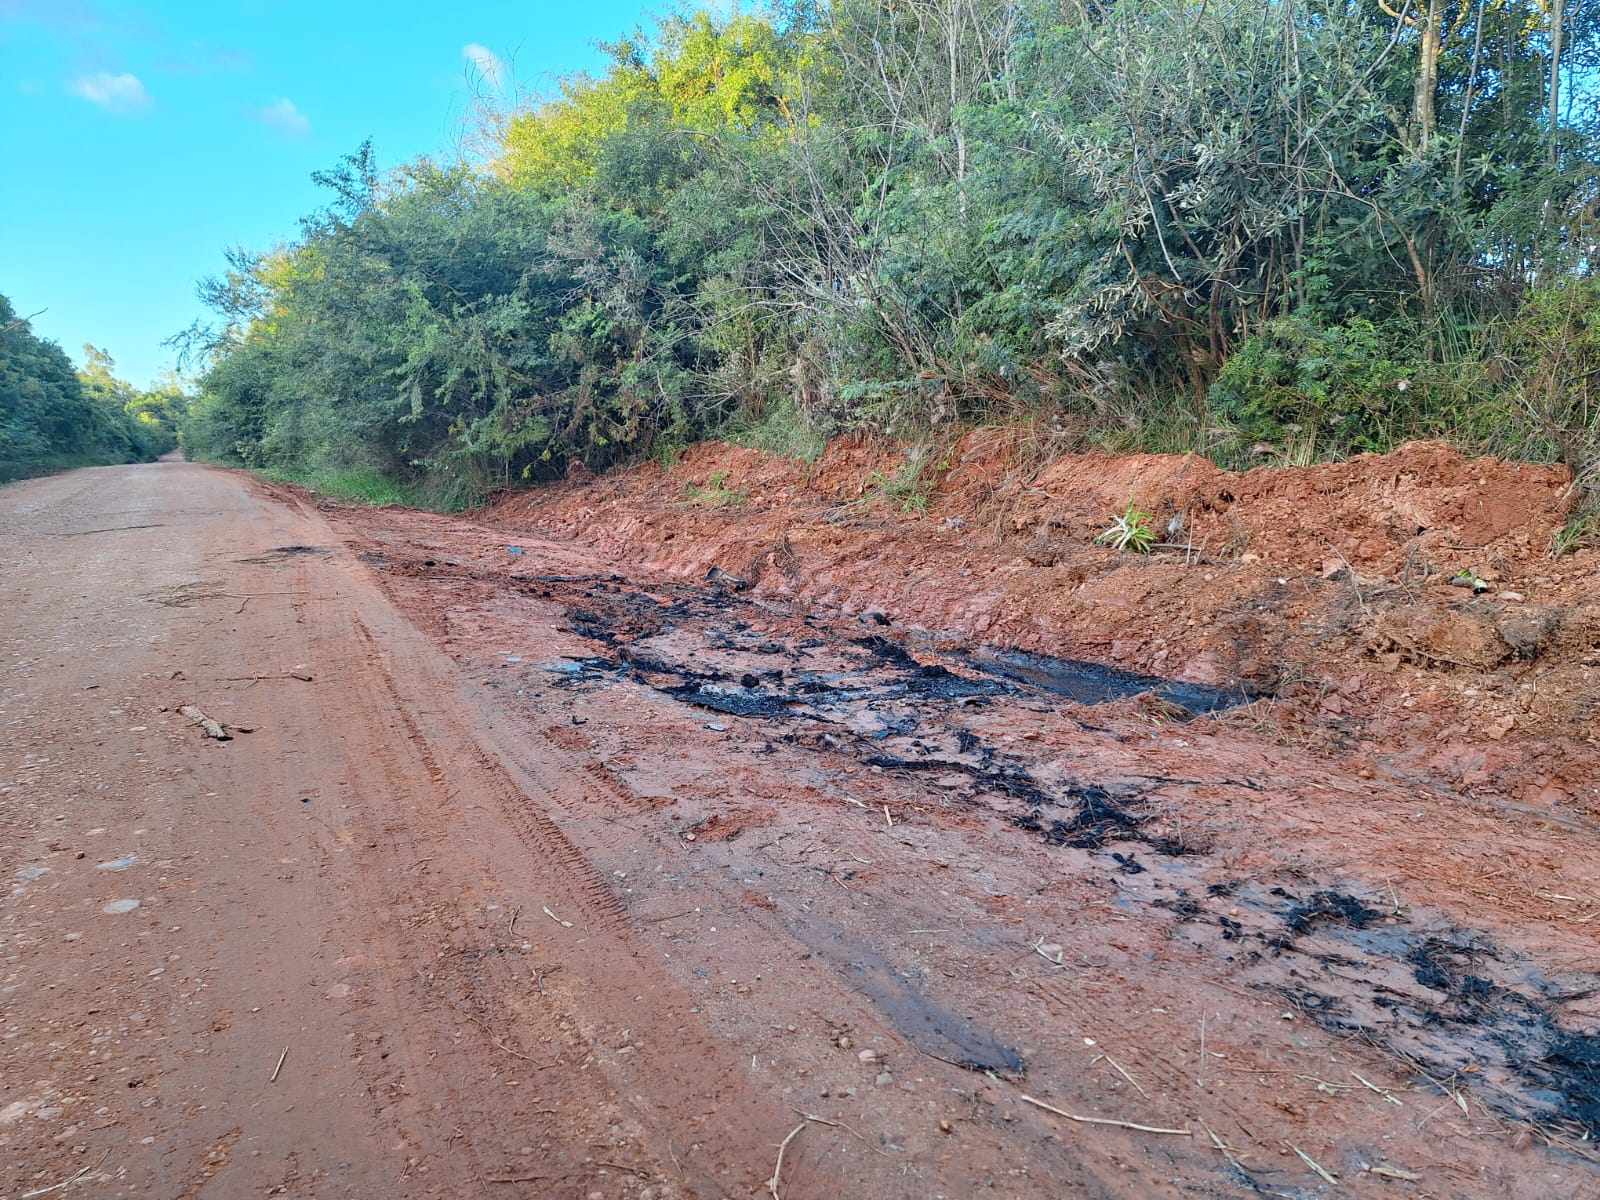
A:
[1335,589]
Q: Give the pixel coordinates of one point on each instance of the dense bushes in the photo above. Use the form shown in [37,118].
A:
[51,418]
[1246,229]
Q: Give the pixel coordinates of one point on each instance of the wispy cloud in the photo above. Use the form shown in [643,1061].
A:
[487,63]
[119,93]
[283,116]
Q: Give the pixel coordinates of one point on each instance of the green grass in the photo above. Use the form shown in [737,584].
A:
[715,493]
[782,430]
[353,485]
[15,472]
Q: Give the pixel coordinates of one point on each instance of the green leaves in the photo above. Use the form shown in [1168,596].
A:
[1133,531]
[1153,222]
[51,416]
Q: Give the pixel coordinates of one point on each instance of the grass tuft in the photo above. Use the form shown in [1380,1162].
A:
[353,485]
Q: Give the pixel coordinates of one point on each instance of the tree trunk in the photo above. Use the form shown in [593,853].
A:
[1558,17]
[1422,117]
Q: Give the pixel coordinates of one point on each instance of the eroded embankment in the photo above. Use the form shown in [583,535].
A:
[1402,606]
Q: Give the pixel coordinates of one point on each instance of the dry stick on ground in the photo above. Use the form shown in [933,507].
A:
[1387,1172]
[641,1172]
[839,1125]
[1115,1067]
[537,1065]
[1312,1163]
[777,1169]
[279,1066]
[543,972]
[1228,1154]
[1105,1120]
[688,912]
[1384,1092]
[65,1183]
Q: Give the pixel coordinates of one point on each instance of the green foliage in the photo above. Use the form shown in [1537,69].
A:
[714,493]
[51,417]
[1312,390]
[354,485]
[1154,225]
[1554,347]
[1133,531]
[910,486]
[782,429]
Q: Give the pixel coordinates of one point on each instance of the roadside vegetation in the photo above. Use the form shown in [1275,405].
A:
[53,416]
[1264,232]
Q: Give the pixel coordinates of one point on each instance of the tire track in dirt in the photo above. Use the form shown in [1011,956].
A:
[683,1094]
[540,835]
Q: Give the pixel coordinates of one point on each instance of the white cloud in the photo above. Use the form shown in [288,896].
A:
[283,116]
[488,64]
[120,93]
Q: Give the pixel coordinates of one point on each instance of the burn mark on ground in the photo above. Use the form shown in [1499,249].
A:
[929,1028]
[1101,820]
[1091,683]
[1330,906]
[1468,1016]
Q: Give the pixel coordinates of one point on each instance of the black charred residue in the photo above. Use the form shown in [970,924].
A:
[1003,778]
[1473,1007]
[1183,908]
[1092,683]
[1335,907]
[1100,820]
[1447,966]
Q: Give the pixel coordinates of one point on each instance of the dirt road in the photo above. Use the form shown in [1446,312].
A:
[522,876]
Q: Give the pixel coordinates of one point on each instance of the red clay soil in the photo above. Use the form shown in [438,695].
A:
[559,869]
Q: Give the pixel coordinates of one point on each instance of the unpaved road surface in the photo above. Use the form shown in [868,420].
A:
[528,872]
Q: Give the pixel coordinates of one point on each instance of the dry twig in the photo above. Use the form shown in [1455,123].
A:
[839,1125]
[279,1066]
[777,1169]
[1118,1069]
[1228,1154]
[1392,1173]
[1384,1092]
[1312,1163]
[1105,1120]
[65,1183]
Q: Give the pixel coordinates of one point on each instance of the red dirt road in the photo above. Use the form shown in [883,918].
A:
[532,916]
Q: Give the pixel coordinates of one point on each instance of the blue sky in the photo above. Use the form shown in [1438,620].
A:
[138,141]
